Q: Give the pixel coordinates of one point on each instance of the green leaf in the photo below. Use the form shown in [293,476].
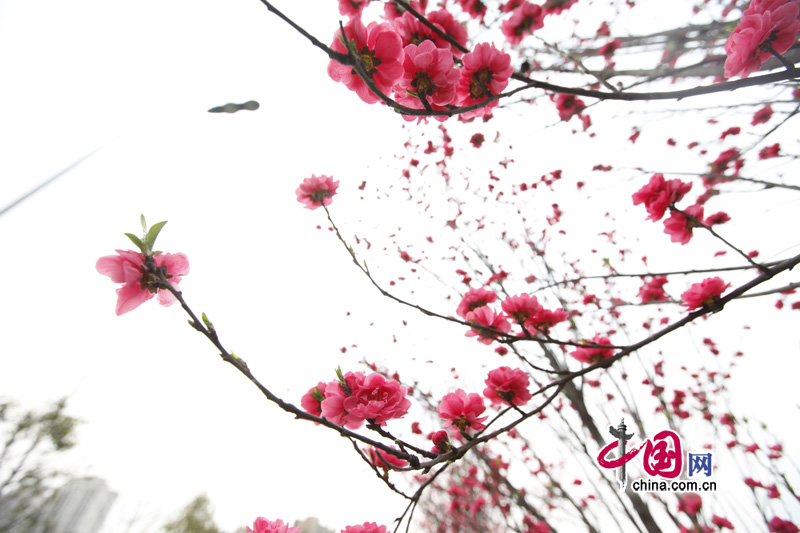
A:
[138,242]
[153,233]
[144,224]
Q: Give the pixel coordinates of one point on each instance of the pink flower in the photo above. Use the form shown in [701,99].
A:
[509,386]
[717,218]
[139,285]
[609,48]
[707,292]
[473,299]
[653,291]
[544,319]
[485,73]
[764,24]
[441,444]
[461,410]
[768,152]
[679,227]
[262,525]
[762,116]
[690,503]
[523,21]
[380,51]
[475,8]
[366,527]
[659,194]
[593,355]
[352,8]
[779,525]
[332,406]
[521,307]
[316,191]
[376,399]
[384,460]
[312,400]
[721,522]
[486,316]
[568,105]
[452,27]
[428,73]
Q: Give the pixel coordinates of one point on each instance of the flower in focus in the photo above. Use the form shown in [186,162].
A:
[652,291]
[312,400]
[679,227]
[659,194]
[509,386]
[523,21]
[486,316]
[262,525]
[140,285]
[377,400]
[336,392]
[707,292]
[485,73]
[366,527]
[593,355]
[473,299]
[316,191]
[764,25]
[428,73]
[380,51]
[385,460]
[461,410]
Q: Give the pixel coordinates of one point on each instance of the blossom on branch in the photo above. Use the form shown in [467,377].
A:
[485,73]
[544,319]
[385,460]
[593,355]
[523,21]
[312,400]
[473,299]
[262,525]
[462,410]
[765,25]
[485,316]
[140,284]
[679,227]
[356,398]
[366,527]
[659,194]
[521,307]
[380,52]
[429,75]
[507,386]
[317,191]
[707,292]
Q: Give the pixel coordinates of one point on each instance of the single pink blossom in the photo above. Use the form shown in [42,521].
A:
[690,503]
[593,355]
[441,443]
[462,410]
[377,400]
[473,299]
[429,74]
[521,307]
[779,525]
[653,291]
[523,21]
[768,152]
[659,194]
[767,24]
[332,406]
[679,227]
[721,522]
[485,316]
[380,51]
[568,105]
[352,8]
[762,116]
[366,527]
[485,73]
[262,525]
[452,27]
[140,285]
[385,460]
[317,191]
[507,386]
[717,218]
[707,292]
[475,8]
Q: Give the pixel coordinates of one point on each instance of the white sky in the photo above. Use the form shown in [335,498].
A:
[164,419]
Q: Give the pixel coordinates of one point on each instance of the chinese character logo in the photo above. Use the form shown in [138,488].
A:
[700,463]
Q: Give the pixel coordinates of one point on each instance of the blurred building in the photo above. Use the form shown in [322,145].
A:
[80,506]
[311,525]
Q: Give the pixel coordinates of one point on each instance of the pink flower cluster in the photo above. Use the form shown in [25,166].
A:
[653,290]
[357,398]
[507,386]
[262,525]
[765,25]
[659,194]
[406,58]
[140,285]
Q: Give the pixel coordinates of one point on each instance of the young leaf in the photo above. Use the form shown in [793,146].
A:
[153,233]
[138,242]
